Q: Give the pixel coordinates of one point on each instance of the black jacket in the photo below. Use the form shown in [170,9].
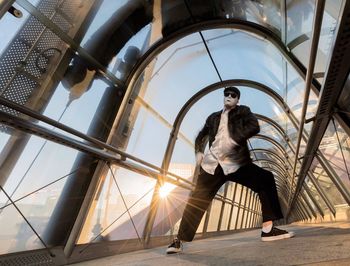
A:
[242,124]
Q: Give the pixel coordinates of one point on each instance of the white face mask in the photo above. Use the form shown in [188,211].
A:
[230,102]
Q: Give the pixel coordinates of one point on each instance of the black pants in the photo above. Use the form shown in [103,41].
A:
[250,175]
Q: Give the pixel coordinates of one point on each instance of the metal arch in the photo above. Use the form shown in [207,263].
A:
[279,129]
[196,97]
[273,123]
[268,120]
[276,155]
[319,189]
[244,26]
[276,143]
[310,174]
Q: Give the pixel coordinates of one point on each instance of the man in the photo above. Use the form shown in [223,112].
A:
[228,159]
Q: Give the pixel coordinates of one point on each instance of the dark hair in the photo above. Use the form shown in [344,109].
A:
[233,89]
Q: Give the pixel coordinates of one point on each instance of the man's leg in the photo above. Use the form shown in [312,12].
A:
[263,182]
[205,190]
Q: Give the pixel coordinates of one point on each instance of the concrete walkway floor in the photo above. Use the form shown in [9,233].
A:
[322,244]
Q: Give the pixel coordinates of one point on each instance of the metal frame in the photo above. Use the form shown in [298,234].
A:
[255,29]
[72,44]
[309,75]
[336,74]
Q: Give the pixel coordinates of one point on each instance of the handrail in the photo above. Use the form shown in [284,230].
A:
[309,76]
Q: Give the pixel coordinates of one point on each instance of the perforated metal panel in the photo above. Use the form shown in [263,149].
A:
[42,259]
[25,64]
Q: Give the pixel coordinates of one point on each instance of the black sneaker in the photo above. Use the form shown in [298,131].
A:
[276,234]
[175,247]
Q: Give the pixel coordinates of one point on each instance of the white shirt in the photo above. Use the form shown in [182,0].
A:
[220,149]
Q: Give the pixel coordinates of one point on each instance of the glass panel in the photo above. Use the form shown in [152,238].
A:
[326,183]
[240,201]
[170,212]
[230,190]
[300,23]
[214,216]
[4,136]
[316,194]
[149,136]
[268,130]
[120,32]
[244,205]
[30,75]
[295,98]
[300,15]
[37,166]
[233,218]
[335,147]
[118,192]
[311,204]
[15,233]
[225,217]
[262,59]
[36,184]
[183,68]
[264,144]
[183,160]
[266,13]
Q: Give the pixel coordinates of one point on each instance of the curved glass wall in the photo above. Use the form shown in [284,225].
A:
[35,186]
[77,71]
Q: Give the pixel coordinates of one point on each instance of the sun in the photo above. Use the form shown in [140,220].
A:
[165,190]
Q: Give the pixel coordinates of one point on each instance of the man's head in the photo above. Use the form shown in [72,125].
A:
[231,97]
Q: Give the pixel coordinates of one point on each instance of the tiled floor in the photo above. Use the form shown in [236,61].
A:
[325,244]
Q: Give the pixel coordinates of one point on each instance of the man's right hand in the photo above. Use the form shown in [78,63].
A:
[199,158]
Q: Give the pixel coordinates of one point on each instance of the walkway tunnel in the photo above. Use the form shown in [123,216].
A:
[101,101]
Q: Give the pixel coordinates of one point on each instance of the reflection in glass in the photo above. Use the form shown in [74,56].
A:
[15,233]
[35,184]
[326,183]
[335,148]
[300,15]
[122,195]
[299,18]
